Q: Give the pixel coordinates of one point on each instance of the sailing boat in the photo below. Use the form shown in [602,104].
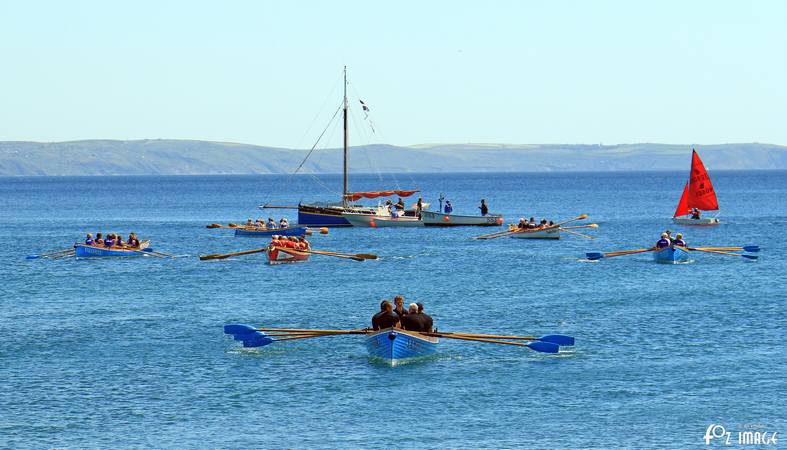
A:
[329,214]
[698,195]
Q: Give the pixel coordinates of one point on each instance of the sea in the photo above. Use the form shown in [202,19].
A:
[105,353]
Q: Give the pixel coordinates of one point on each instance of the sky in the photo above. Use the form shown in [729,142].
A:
[517,72]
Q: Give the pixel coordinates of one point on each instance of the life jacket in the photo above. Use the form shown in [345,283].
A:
[275,242]
[109,243]
[663,243]
[89,241]
[133,242]
[679,242]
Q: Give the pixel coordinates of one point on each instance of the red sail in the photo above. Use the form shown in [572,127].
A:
[353,196]
[701,193]
[683,205]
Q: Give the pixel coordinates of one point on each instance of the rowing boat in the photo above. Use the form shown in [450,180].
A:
[91,251]
[536,233]
[368,220]
[264,232]
[671,255]
[395,345]
[437,219]
[697,194]
[281,255]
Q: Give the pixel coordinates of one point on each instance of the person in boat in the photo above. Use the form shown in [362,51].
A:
[89,239]
[118,240]
[522,224]
[419,207]
[532,223]
[283,223]
[303,244]
[274,241]
[679,240]
[448,208]
[399,306]
[386,318]
[271,225]
[99,239]
[259,223]
[543,223]
[695,214]
[412,320]
[394,213]
[109,241]
[426,320]
[664,242]
[132,240]
[669,235]
[551,223]
[400,204]
[250,223]
[484,209]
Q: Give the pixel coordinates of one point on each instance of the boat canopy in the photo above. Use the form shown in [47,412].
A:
[353,196]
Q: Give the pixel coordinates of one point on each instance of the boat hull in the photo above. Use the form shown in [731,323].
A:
[546,233]
[279,255]
[262,232]
[322,217]
[395,346]
[368,220]
[671,255]
[436,219]
[700,222]
[89,251]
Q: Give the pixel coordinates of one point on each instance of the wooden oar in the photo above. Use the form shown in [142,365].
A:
[539,346]
[583,216]
[357,255]
[578,234]
[63,255]
[745,248]
[229,255]
[155,253]
[724,253]
[317,252]
[594,256]
[48,255]
[590,225]
[488,236]
[558,339]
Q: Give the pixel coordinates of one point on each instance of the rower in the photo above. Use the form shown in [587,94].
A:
[664,242]
[543,223]
[99,239]
[695,213]
[118,240]
[522,224]
[89,239]
[274,240]
[132,240]
[679,240]
[109,241]
[306,244]
[532,223]
[551,223]
[484,209]
[669,235]
[412,321]
[386,318]
[292,242]
[399,307]
[283,223]
[271,225]
[426,319]
[250,223]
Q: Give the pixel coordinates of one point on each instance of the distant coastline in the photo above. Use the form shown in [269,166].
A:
[192,157]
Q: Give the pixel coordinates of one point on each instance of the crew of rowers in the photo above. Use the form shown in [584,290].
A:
[295,243]
[112,240]
[667,240]
[270,224]
[533,225]
[411,319]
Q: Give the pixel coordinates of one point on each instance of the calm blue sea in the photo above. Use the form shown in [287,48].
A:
[105,353]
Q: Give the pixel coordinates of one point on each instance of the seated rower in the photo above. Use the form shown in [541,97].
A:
[291,242]
[306,244]
[426,320]
[551,223]
[109,241]
[669,235]
[259,224]
[412,321]
[522,224]
[271,225]
[543,223]
[283,223]
[386,318]
[532,223]
[679,240]
[132,240]
[89,239]
[250,223]
[274,241]
[119,240]
[664,242]
[695,214]
[99,239]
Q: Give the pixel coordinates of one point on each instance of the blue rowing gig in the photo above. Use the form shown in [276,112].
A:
[395,345]
[265,232]
[91,251]
[671,255]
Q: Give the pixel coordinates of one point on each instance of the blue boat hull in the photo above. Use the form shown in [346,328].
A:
[322,218]
[85,251]
[292,231]
[671,255]
[396,345]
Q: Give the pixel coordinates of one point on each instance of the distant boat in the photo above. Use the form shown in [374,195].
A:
[536,233]
[91,251]
[697,193]
[329,214]
[436,219]
[376,220]
[264,232]
[395,345]
[671,255]
[280,255]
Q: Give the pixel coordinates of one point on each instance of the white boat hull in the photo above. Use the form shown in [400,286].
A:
[436,219]
[689,221]
[546,233]
[374,221]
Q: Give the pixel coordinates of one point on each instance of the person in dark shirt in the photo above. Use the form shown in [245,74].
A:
[664,242]
[679,240]
[89,239]
[448,207]
[412,321]
[695,213]
[484,209]
[399,307]
[426,320]
[386,318]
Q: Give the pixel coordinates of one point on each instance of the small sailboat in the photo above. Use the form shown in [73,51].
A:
[698,195]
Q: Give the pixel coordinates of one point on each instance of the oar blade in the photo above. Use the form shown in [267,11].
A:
[594,256]
[544,347]
[256,339]
[558,339]
[751,248]
[366,255]
[238,328]
[33,256]
[750,256]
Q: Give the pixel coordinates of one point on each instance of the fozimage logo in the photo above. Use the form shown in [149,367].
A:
[719,435]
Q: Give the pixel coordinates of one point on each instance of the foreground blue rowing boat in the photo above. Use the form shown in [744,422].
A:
[264,232]
[671,255]
[397,345]
[90,251]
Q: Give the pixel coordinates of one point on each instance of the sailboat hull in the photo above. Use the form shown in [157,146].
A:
[686,221]
[322,217]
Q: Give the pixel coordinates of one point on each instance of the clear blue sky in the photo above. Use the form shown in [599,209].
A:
[450,72]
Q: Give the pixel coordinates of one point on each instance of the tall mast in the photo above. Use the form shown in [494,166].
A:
[344,196]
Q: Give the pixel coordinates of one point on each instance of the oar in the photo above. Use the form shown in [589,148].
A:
[357,255]
[487,236]
[335,255]
[213,225]
[539,346]
[745,248]
[725,253]
[578,234]
[240,328]
[581,217]
[155,253]
[590,225]
[229,255]
[47,255]
[594,256]
[63,255]
[558,339]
